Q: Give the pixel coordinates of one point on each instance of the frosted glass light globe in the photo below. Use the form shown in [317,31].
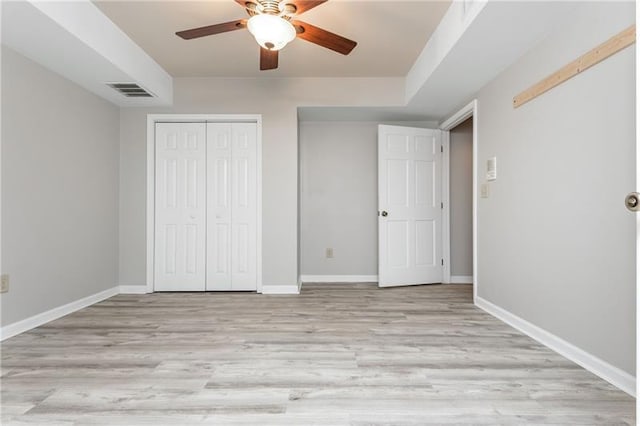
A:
[271,31]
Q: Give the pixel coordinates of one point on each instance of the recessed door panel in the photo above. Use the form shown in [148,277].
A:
[425,243]
[222,140]
[398,182]
[397,143]
[242,179]
[219,264]
[169,177]
[241,248]
[192,142]
[221,170]
[425,179]
[398,247]
[171,233]
[192,237]
[243,140]
[170,141]
[425,145]
[192,185]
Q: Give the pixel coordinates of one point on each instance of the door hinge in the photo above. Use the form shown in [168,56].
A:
[442,205]
[442,148]
[442,262]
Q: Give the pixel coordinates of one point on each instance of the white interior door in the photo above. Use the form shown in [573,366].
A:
[409,204]
[232,206]
[180,207]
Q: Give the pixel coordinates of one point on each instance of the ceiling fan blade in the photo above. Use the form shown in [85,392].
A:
[304,5]
[212,29]
[324,38]
[268,59]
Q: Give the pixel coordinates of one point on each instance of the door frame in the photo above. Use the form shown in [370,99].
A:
[469,110]
[152,119]
[637,225]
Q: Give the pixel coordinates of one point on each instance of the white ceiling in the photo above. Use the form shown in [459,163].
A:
[390,36]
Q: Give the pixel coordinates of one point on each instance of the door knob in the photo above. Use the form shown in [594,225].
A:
[632,201]
[384,214]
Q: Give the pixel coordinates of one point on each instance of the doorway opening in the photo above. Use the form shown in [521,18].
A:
[460,192]
[461,203]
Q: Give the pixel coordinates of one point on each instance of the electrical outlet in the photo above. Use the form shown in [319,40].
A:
[329,253]
[4,283]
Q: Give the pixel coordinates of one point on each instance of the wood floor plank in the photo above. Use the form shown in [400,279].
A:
[334,355]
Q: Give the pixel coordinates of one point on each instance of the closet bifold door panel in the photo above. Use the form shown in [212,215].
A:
[180,207]
[231,207]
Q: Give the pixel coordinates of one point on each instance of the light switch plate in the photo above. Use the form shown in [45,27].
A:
[484,190]
[4,283]
[329,253]
[492,168]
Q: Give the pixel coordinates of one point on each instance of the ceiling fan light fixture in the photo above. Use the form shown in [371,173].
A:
[271,31]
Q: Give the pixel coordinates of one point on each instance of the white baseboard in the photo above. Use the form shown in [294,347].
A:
[280,289]
[461,279]
[621,379]
[133,289]
[27,324]
[339,278]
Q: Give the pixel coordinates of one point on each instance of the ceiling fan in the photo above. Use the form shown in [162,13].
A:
[273,23]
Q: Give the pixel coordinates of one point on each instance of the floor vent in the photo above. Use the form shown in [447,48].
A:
[130,90]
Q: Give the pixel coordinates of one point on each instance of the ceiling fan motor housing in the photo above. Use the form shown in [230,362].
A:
[274,7]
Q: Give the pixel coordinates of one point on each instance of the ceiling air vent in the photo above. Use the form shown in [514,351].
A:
[130,90]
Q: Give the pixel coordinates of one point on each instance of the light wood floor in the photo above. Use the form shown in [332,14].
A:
[334,355]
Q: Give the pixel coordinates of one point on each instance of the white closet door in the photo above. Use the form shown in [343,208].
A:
[180,207]
[232,206]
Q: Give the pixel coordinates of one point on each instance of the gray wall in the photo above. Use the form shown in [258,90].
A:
[277,100]
[556,246]
[461,198]
[339,196]
[59,190]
